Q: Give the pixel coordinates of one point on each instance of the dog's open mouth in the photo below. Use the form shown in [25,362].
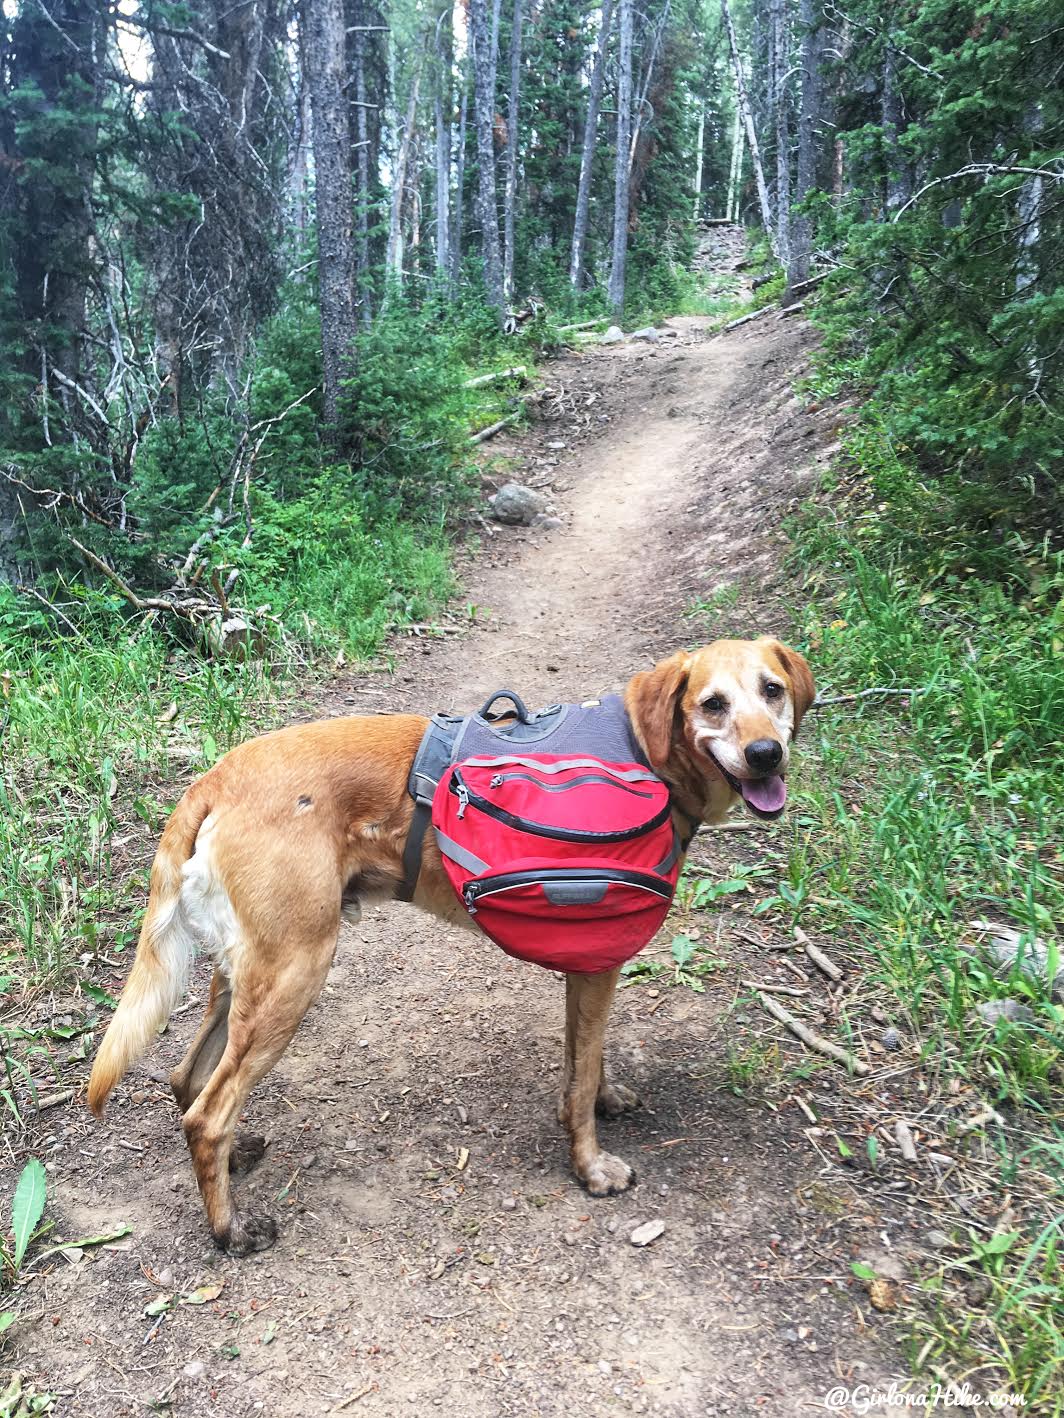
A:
[765,797]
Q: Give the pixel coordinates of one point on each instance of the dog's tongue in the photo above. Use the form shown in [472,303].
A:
[766,794]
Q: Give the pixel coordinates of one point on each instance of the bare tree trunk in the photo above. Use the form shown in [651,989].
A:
[443,104]
[459,189]
[735,171]
[810,20]
[622,165]
[297,172]
[583,191]
[484,118]
[513,120]
[648,74]
[332,191]
[1029,210]
[700,144]
[393,263]
[362,193]
[898,184]
[742,98]
[779,41]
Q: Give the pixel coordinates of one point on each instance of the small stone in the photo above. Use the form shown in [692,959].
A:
[308,1159]
[194,1369]
[351,1145]
[139,1096]
[543,522]
[605,1367]
[570,1238]
[648,333]
[648,1232]
[991,1010]
[517,505]
[165,1278]
[978,1289]
[611,1225]
[937,1240]
[613,336]
[509,1203]
[891,1039]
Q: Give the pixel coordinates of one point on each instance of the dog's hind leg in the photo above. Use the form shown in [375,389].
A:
[202,1055]
[201,1059]
[587,1009]
[269,1000]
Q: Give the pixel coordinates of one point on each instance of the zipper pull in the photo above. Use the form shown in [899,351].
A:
[470,898]
[496,781]
[461,792]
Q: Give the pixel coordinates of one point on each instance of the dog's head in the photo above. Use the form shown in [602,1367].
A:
[718,723]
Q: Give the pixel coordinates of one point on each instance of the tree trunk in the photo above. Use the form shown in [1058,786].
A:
[780,49]
[898,185]
[513,120]
[444,103]
[393,263]
[363,194]
[735,171]
[484,119]
[700,143]
[332,195]
[648,74]
[459,188]
[1029,209]
[622,163]
[583,191]
[810,21]
[742,99]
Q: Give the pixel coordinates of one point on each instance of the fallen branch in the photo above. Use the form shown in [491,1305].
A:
[819,703]
[493,428]
[904,1138]
[518,371]
[811,1039]
[773,989]
[582,325]
[745,319]
[797,306]
[822,962]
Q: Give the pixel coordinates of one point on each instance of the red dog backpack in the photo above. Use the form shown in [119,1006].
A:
[563,856]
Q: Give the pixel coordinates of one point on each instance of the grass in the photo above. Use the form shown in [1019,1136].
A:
[916,814]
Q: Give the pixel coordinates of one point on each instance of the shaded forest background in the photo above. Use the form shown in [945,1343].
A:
[249,250]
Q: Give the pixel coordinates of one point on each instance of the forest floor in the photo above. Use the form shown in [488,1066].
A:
[435,1252]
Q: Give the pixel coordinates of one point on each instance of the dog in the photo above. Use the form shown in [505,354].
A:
[265,852]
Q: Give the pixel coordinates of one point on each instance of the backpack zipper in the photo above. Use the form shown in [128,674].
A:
[498,779]
[466,796]
[512,881]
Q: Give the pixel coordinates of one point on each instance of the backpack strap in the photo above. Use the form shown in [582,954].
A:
[430,763]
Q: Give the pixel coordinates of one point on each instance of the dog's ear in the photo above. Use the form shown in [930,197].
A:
[652,699]
[797,670]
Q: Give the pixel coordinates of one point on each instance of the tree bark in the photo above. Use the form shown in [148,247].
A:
[332,195]
[810,20]
[898,184]
[483,118]
[622,162]
[363,194]
[639,109]
[583,191]
[780,48]
[735,171]
[513,120]
[742,99]
[459,188]
[443,106]
[393,263]
[700,144]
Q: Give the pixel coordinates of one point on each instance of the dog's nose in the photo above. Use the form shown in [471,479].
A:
[764,754]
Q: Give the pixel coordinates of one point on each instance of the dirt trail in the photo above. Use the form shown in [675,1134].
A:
[407,1280]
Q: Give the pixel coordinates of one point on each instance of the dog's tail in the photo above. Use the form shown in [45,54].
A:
[164,954]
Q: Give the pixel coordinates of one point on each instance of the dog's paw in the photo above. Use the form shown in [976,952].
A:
[606,1175]
[247,1234]
[614,1099]
[247,1149]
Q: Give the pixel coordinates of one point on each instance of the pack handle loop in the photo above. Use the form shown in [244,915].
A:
[515,699]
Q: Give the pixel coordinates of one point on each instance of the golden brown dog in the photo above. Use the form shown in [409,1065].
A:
[263,852]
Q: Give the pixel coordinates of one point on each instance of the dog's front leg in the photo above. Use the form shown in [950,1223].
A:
[587,1009]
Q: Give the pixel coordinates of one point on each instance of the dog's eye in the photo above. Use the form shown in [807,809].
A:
[714,704]
[773,691]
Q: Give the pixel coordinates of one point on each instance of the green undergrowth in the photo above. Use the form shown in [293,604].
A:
[932,806]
